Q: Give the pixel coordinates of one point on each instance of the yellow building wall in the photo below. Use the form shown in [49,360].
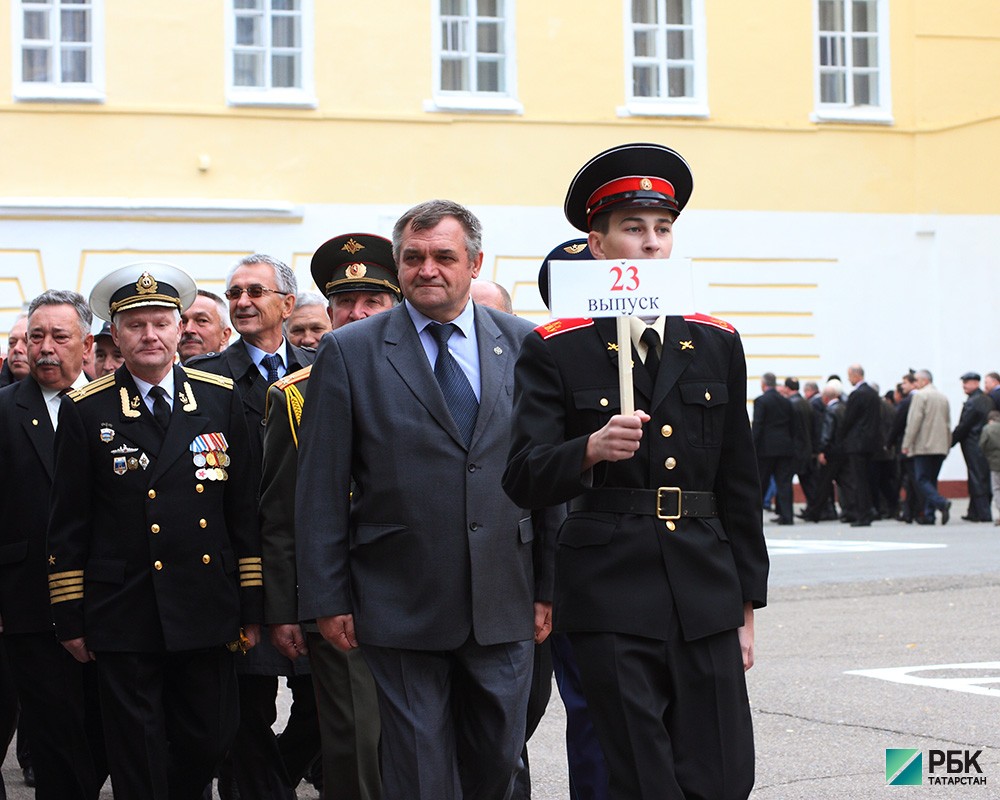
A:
[370,141]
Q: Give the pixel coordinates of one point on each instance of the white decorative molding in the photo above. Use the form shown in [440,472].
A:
[153,209]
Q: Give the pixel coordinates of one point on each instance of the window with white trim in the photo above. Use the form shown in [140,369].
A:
[665,64]
[852,61]
[58,49]
[270,52]
[474,65]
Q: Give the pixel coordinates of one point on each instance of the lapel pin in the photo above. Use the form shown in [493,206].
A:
[613,346]
[498,350]
[689,345]
[34,422]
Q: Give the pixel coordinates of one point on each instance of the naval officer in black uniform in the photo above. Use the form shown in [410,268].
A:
[661,561]
[154,552]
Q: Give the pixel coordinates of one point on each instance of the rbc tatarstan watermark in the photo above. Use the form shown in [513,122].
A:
[904,767]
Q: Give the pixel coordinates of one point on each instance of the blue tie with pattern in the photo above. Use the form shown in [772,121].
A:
[455,386]
[271,364]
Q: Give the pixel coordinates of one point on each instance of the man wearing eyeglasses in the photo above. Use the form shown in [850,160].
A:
[261,294]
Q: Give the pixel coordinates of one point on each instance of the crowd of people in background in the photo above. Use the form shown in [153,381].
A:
[861,457]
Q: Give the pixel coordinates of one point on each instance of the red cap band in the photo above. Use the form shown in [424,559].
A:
[623,188]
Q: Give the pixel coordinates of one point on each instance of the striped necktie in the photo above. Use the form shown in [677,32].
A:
[455,386]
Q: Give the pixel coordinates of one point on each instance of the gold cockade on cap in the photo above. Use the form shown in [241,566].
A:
[146,284]
[645,184]
[356,270]
[352,246]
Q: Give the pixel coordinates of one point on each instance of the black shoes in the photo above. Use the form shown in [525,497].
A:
[946,512]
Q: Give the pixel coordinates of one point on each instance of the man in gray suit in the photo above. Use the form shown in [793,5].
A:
[426,564]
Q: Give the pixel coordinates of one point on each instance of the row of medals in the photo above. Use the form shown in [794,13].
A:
[211,465]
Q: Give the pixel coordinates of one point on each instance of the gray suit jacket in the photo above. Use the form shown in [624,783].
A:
[428,549]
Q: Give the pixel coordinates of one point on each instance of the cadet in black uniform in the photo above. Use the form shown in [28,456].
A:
[154,552]
[662,558]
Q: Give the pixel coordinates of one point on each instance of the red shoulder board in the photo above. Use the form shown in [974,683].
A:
[715,322]
[558,326]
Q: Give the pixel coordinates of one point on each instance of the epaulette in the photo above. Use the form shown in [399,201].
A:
[93,387]
[294,377]
[558,326]
[715,322]
[209,377]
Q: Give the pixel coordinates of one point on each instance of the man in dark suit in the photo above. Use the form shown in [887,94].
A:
[427,565]
[358,274]
[60,711]
[861,439]
[970,424]
[261,292]
[774,442]
[153,545]
[991,383]
[662,560]
[910,507]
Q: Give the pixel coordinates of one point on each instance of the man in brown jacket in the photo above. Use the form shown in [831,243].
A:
[927,440]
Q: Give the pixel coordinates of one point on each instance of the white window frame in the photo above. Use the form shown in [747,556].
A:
[846,112]
[694,106]
[55,90]
[298,97]
[490,102]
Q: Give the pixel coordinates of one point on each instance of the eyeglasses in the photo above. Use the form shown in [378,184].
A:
[254,290]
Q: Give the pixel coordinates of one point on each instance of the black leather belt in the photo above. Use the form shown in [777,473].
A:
[667,502]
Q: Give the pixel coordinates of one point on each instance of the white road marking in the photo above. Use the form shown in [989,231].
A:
[976,684]
[800,547]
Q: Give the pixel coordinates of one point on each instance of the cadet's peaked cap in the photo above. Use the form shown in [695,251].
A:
[637,175]
[573,250]
[146,283]
[355,262]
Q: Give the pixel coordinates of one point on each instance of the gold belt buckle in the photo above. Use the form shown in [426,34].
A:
[659,501]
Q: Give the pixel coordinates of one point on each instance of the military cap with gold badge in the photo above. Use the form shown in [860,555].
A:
[573,250]
[635,175]
[140,285]
[355,262]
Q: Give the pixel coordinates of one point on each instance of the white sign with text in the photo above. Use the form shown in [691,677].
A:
[621,288]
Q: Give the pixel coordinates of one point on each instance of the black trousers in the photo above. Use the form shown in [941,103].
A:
[860,501]
[8,709]
[782,468]
[60,717]
[168,720]
[980,489]
[672,716]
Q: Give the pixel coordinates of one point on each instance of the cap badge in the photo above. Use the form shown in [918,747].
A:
[573,249]
[356,270]
[645,184]
[352,246]
[146,284]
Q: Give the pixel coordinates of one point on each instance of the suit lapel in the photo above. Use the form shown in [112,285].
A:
[36,422]
[494,364]
[247,377]
[406,354]
[678,352]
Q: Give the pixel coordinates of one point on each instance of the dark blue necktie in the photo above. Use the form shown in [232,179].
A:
[161,408]
[455,386]
[271,364]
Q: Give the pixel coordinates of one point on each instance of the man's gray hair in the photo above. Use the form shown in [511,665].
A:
[307,299]
[768,379]
[429,214]
[925,374]
[283,275]
[64,297]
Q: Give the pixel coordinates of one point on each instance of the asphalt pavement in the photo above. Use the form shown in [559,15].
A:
[874,638]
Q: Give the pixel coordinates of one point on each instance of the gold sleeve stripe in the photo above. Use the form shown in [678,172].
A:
[72,582]
[93,387]
[209,377]
[65,590]
[250,560]
[64,598]
[60,576]
[244,583]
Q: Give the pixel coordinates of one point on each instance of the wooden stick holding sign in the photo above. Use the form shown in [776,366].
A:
[622,289]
